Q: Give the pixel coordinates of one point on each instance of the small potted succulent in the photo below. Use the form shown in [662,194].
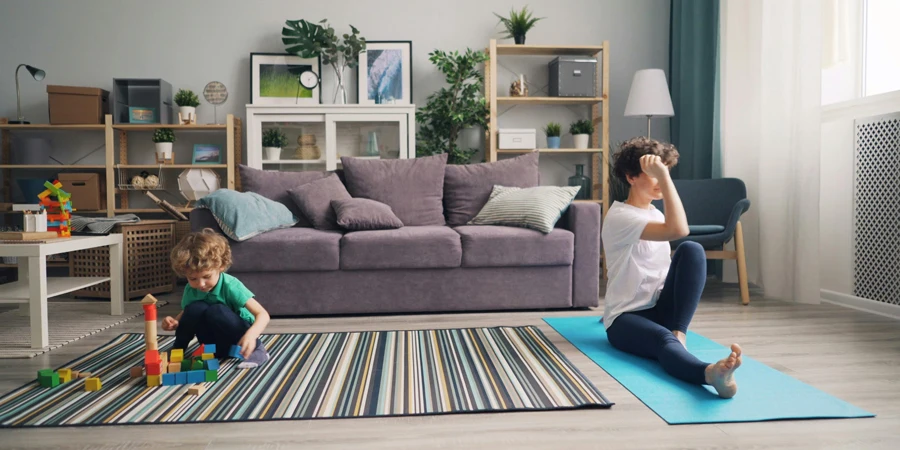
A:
[581,132]
[163,137]
[553,130]
[273,140]
[187,102]
[518,24]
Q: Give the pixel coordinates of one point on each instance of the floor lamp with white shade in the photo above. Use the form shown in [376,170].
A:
[649,96]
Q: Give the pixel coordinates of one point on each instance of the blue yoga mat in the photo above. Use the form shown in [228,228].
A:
[763,392]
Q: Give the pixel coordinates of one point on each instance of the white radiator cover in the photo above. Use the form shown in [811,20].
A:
[876,209]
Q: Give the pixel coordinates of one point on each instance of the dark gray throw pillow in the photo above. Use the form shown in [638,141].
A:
[275,185]
[413,188]
[467,187]
[314,201]
[357,214]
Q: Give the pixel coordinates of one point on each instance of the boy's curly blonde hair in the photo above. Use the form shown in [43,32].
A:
[200,251]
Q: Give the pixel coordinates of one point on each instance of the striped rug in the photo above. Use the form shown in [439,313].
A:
[324,375]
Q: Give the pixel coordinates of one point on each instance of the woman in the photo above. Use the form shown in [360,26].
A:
[650,296]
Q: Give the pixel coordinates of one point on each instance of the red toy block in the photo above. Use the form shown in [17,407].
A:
[151,356]
[199,351]
[149,312]
[154,368]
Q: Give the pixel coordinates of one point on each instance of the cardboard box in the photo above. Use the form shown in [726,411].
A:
[517,139]
[72,105]
[86,189]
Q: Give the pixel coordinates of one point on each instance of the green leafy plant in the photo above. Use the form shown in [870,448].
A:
[311,40]
[553,129]
[453,108]
[581,127]
[273,137]
[518,23]
[186,97]
[163,135]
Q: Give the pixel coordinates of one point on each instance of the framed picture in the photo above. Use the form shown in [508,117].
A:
[275,79]
[384,73]
[207,154]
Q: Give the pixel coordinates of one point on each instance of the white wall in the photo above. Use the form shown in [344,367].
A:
[90,42]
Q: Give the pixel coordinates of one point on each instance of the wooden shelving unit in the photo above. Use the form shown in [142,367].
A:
[599,150]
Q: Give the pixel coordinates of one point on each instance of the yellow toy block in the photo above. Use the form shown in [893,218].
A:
[65,375]
[208,356]
[92,384]
[154,380]
[177,355]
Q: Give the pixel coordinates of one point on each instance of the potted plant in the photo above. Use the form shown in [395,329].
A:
[553,130]
[164,137]
[581,132]
[518,24]
[310,40]
[273,140]
[451,110]
[187,102]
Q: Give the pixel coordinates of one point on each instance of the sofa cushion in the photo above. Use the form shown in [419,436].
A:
[538,208]
[288,250]
[275,185]
[501,246]
[428,247]
[467,187]
[358,214]
[314,201]
[413,188]
[243,215]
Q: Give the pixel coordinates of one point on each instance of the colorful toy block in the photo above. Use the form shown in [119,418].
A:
[186,365]
[65,375]
[199,351]
[154,368]
[197,389]
[206,356]
[177,355]
[174,367]
[137,372]
[48,378]
[92,384]
[181,378]
[168,379]
[154,380]
[212,375]
[209,348]
[212,364]
[197,364]
[235,352]
[151,356]
[196,376]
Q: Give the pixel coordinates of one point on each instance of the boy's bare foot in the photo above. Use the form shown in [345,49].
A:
[721,374]
[681,338]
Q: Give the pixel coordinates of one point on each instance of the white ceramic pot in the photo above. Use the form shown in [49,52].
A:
[581,140]
[188,113]
[164,150]
[272,153]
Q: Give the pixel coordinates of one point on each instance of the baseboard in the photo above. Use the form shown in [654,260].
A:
[861,304]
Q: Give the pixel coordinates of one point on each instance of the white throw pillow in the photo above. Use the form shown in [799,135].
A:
[537,208]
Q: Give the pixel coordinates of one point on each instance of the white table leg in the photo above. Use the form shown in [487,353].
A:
[116,294]
[24,308]
[37,286]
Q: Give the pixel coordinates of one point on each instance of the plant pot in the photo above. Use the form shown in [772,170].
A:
[188,113]
[552,141]
[272,153]
[470,137]
[581,140]
[520,39]
[164,150]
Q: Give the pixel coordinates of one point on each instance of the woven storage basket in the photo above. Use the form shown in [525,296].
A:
[146,265]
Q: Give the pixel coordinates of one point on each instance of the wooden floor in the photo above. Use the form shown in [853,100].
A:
[849,354]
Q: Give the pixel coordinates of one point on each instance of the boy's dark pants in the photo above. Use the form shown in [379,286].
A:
[212,324]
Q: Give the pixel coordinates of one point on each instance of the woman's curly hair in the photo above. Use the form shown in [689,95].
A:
[627,162]
[201,251]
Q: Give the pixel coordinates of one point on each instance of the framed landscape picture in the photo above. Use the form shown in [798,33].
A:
[384,73]
[207,154]
[275,79]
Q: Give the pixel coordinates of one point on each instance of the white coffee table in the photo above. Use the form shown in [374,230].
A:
[34,287]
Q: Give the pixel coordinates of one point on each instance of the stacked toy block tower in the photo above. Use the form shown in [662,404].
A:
[58,204]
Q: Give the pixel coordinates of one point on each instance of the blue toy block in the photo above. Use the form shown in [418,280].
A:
[196,376]
[168,379]
[235,352]
[212,364]
[209,348]
[181,378]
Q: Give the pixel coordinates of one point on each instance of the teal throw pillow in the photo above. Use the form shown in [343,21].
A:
[242,215]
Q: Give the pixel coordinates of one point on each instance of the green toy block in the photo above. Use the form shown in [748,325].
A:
[44,372]
[212,375]
[49,381]
[197,365]
[185,365]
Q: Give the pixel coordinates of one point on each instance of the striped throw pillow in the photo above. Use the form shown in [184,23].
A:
[537,208]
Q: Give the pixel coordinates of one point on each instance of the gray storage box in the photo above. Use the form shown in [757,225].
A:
[573,76]
[142,93]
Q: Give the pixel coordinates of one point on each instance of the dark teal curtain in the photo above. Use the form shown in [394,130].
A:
[693,69]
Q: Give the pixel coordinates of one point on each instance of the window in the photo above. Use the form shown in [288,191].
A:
[881,63]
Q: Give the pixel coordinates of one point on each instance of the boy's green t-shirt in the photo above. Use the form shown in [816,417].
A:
[229,290]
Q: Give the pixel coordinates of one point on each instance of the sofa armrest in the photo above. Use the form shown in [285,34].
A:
[583,220]
[202,218]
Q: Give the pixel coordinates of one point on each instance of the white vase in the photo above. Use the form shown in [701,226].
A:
[164,150]
[581,140]
[188,113]
[272,153]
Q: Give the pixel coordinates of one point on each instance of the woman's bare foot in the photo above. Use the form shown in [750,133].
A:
[681,338]
[721,374]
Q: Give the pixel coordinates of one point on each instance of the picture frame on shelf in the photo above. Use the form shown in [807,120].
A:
[275,79]
[384,73]
[207,154]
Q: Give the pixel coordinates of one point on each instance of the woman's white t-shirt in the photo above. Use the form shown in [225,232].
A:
[636,269]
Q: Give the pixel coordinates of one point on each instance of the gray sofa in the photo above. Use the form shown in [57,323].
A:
[432,268]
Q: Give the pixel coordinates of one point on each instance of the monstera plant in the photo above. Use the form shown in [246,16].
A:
[319,40]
